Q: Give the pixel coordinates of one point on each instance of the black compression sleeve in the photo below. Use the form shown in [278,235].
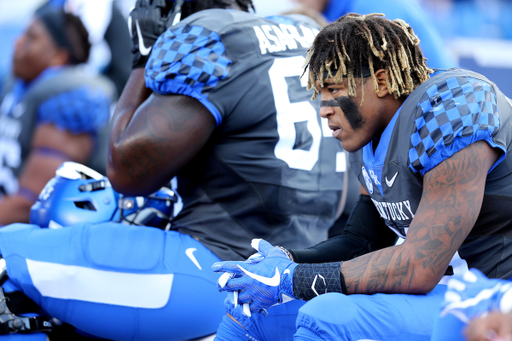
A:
[365,232]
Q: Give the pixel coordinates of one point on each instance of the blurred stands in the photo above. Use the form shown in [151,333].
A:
[478,34]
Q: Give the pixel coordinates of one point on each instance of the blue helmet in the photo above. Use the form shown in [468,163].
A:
[79,194]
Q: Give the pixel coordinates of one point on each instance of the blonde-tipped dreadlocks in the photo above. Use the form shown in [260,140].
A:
[353,43]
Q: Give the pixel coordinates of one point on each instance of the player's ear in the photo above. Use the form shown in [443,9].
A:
[60,57]
[382,85]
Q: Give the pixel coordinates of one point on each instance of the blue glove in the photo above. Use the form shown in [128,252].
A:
[472,294]
[263,280]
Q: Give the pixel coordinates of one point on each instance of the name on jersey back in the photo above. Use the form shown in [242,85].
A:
[277,38]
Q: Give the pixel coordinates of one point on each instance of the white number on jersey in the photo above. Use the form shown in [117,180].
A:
[290,113]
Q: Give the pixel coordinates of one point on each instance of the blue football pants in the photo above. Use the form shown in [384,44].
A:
[336,316]
[116,281]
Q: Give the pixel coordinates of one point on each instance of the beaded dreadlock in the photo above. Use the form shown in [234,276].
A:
[353,43]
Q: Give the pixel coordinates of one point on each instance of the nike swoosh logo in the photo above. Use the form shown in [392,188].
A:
[270,281]
[392,181]
[190,254]
[143,49]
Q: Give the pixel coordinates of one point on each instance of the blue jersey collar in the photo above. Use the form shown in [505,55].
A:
[375,161]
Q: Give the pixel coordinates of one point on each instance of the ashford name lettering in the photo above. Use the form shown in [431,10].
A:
[274,38]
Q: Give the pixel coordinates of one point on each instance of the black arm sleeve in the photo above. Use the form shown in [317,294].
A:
[364,232]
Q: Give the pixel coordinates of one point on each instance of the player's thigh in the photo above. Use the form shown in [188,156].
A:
[119,282]
[448,328]
[374,317]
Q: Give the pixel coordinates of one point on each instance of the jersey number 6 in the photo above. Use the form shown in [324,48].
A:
[288,114]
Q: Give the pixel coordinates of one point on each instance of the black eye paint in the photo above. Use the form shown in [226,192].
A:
[349,108]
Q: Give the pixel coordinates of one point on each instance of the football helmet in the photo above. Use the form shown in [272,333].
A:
[79,194]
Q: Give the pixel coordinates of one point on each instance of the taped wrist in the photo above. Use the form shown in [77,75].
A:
[311,280]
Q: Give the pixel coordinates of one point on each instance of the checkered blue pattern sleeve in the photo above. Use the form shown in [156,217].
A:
[451,115]
[82,110]
[189,60]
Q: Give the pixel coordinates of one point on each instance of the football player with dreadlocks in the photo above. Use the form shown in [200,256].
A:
[215,99]
[430,149]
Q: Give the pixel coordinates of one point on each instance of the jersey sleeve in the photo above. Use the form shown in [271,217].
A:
[451,115]
[189,60]
[82,110]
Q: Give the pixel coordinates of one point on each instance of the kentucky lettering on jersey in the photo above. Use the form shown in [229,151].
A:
[394,210]
[285,37]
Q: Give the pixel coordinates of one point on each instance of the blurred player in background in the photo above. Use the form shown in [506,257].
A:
[52,112]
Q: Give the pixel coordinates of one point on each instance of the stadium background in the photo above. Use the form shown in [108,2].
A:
[478,33]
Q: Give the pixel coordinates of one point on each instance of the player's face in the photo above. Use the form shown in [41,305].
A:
[34,52]
[353,124]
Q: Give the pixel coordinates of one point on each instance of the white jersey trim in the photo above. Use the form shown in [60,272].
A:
[150,291]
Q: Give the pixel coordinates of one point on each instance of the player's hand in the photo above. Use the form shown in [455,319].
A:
[263,280]
[493,327]
[147,21]
[472,294]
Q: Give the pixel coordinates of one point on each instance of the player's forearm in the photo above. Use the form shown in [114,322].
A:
[390,270]
[365,231]
[450,205]
[417,265]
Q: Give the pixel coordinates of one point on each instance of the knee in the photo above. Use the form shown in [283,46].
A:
[326,316]
[330,308]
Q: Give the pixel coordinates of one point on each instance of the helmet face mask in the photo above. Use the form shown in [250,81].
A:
[77,194]
[155,210]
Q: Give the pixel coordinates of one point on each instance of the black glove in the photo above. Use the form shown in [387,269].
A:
[147,21]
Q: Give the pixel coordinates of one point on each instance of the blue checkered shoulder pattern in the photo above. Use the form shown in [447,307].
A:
[451,115]
[189,60]
[81,110]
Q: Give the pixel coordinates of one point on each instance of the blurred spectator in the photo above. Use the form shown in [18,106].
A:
[52,112]
[14,17]
[108,35]
[430,41]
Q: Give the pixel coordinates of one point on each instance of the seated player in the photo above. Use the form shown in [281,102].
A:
[431,152]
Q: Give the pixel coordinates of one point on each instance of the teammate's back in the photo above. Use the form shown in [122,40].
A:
[267,167]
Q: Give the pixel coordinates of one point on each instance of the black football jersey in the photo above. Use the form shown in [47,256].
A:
[451,110]
[271,168]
